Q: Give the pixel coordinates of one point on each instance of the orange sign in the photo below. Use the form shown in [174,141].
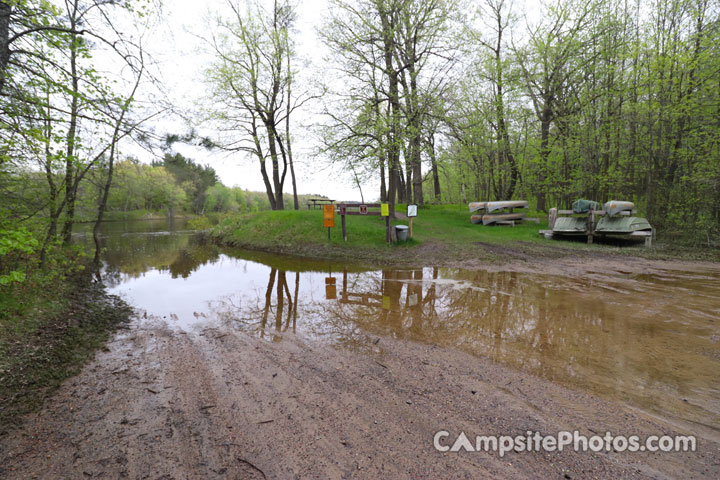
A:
[328,216]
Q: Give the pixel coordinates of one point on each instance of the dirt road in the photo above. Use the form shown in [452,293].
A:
[221,404]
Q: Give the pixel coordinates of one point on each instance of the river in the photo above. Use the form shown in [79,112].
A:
[651,342]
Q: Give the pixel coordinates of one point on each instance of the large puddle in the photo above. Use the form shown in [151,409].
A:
[650,341]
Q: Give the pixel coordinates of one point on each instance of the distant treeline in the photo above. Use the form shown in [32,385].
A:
[174,185]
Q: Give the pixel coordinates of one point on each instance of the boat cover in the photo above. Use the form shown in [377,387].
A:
[584,206]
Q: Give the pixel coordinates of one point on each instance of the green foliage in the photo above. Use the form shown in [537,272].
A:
[199,223]
[220,198]
[14,241]
[19,239]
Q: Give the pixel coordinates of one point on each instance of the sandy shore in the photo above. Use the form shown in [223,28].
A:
[221,404]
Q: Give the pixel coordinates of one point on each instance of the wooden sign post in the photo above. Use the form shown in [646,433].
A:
[341,211]
[411,213]
[344,209]
[329,217]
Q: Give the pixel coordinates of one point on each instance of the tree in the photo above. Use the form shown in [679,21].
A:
[551,64]
[121,128]
[395,57]
[501,17]
[426,55]
[253,54]
[197,178]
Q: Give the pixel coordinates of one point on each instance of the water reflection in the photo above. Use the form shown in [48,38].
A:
[652,341]
[627,338]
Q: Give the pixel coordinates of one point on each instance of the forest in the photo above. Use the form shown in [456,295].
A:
[604,100]
[438,101]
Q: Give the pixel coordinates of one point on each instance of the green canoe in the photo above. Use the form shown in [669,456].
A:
[570,225]
[622,225]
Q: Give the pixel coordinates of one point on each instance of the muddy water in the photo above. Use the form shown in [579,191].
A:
[649,341]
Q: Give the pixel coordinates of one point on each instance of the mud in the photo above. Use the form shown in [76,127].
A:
[219,403]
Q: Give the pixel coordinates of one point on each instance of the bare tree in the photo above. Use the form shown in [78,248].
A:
[251,82]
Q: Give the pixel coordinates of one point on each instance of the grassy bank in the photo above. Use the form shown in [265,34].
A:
[442,233]
[48,332]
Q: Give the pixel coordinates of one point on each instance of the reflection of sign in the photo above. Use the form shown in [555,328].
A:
[330,288]
[384,210]
[363,209]
[386,302]
[412,300]
[412,211]
[328,216]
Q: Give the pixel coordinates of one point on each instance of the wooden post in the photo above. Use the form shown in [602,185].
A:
[344,229]
[591,226]
[387,229]
[410,227]
[552,217]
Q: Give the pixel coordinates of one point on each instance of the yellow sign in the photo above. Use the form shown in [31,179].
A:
[328,216]
[384,210]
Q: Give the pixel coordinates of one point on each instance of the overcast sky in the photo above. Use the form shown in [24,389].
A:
[176,45]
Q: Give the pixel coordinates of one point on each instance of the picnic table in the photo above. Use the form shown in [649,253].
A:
[314,203]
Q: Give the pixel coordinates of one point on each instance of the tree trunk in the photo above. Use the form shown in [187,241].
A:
[263,169]
[70,184]
[544,155]
[277,183]
[417,181]
[5,11]
[415,132]
[52,188]
[102,204]
[288,109]
[388,25]
[407,181]
[383,188]
[433,163]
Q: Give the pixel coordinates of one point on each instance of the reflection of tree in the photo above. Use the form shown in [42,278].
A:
[282,292]
[559,328]
[134,254]
[189,259]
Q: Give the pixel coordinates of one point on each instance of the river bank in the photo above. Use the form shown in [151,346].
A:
[444,236]
[48,333]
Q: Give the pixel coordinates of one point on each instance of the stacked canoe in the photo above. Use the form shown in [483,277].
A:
[615,219]
[497,213]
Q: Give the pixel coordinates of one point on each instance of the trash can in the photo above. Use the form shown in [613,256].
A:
[402,233]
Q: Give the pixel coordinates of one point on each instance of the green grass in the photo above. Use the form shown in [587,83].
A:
[441,232]
[289,227]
